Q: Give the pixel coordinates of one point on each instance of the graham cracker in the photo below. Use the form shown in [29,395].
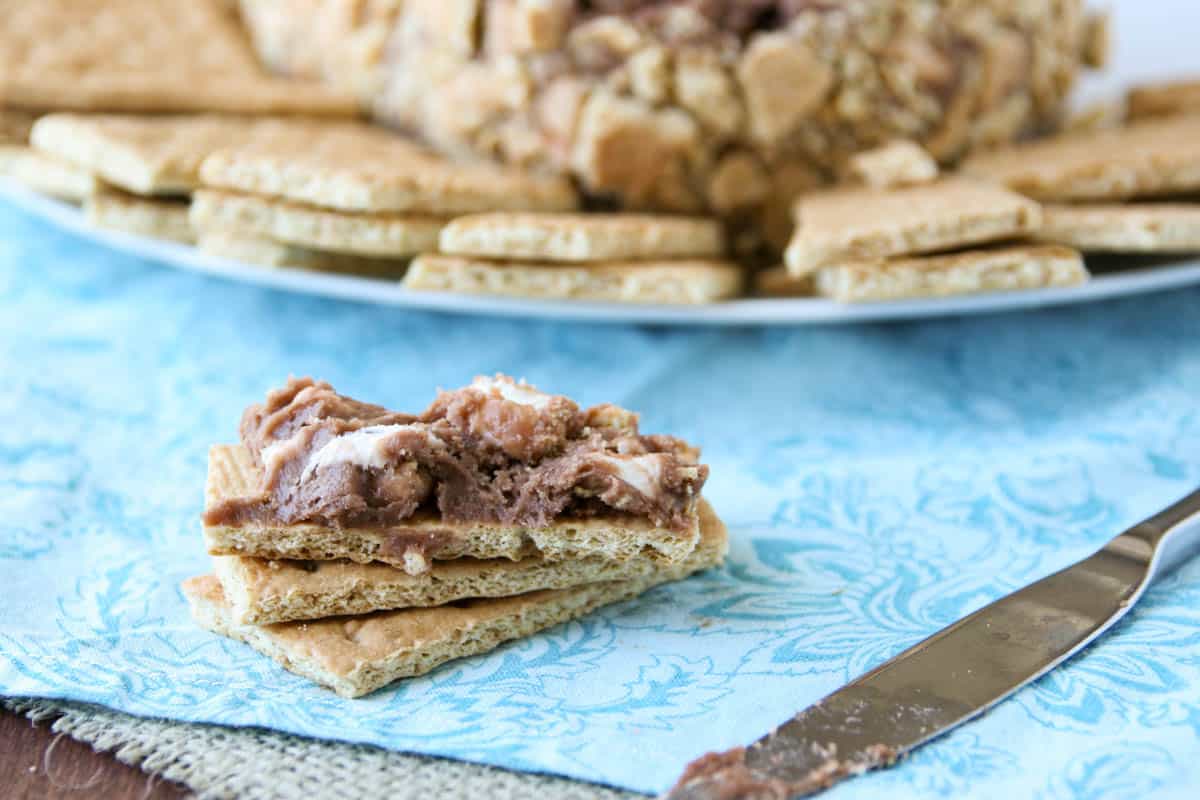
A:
[354,656]
[1163,99]
[365,168]
[269,253]
[1143,159]
[143,55]
[381,235]
[1097,46]
[159,219]
[857,224]
[582,237]
[47,175]
[778,282]
[999,269]
[1124,228]
[15,126]
[262,591]
[142,154]
[898,163]
[665,282]
[232,474]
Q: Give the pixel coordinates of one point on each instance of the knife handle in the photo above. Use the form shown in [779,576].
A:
[1173,534]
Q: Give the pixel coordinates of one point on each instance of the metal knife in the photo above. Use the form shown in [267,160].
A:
[954,675]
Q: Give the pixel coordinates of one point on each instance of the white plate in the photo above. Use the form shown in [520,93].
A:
[1146,49]
[798,311]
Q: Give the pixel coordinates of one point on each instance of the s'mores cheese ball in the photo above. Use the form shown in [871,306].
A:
[728,106]
[329,506]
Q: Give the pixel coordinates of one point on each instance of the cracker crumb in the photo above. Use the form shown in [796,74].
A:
[898,163]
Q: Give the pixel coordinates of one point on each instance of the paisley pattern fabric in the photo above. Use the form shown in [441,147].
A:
[879,482]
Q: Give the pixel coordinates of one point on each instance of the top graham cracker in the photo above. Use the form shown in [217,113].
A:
[1145,159]
[582,237]
[1164,99]
[358,167]
[150,154]
[855,224]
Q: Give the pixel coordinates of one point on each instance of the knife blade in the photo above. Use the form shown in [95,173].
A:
[954,675]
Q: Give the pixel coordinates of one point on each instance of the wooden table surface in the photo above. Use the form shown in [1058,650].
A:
[37,763]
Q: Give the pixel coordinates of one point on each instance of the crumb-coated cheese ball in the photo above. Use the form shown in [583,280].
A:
[732,106]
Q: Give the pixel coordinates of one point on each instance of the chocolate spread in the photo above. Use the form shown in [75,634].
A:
[495,451]
[728,776]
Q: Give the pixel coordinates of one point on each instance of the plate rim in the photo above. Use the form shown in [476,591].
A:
[753,312]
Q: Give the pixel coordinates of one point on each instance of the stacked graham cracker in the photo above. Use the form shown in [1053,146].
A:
[145,168]
[1013,218]
[349,197]
[286,192]
[905,232]
[344,196]
[365,193]
[1129,189]
[318,567]
[639,258]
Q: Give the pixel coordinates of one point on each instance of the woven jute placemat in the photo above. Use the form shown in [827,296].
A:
[220,762]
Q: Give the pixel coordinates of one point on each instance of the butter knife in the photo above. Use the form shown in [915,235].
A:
[954,675]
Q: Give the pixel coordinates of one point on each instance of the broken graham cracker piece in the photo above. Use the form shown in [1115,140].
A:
[495,469]
[365,168]
[582,237]
[524,26]
[144,55]
[377,235]
[354,656]
[1163,99]
[148,155]
[141,216]
[666,282]
[898,163]
[1144,159]
[266,252]
[857,224]
[999,269]
[1124,228]
[261,591]
[783,81]
[1096,42]
[46,174]
[15,126]
[778,282]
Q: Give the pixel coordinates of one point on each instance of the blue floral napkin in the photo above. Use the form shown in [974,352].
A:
[879,482]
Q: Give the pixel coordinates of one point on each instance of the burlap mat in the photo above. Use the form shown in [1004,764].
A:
[220,762]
